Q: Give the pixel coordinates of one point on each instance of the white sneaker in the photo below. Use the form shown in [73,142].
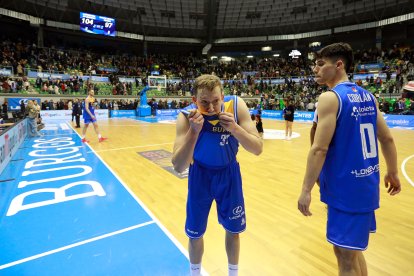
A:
[289,138]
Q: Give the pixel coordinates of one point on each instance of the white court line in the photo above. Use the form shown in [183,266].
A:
[143,146]
[76,244]
[146,209]
[404,172]
[64,126]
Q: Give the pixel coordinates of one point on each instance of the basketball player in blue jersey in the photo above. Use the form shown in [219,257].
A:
[344,155]
[89,117]
[207,140]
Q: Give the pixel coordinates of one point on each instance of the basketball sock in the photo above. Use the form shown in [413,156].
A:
[99,136]
[233,270]
[195,269]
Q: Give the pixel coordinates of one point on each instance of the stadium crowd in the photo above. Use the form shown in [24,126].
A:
[246,77]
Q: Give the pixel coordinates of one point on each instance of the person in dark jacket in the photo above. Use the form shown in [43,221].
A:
[77,112]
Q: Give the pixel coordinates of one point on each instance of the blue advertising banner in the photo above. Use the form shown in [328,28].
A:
[108,69]
[272,114]
[174,80]
[126,79]
[393,121]
[95,78]
[44,75]
[14,103]
[370,66]
[303,116]
[5,72]
[382,76]
[122,113]
[168,112]
[400,121]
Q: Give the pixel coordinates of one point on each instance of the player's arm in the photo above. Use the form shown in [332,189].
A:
[245,131]
[389,152]
[327,112]
[186,137]
[314,125]
[312,132]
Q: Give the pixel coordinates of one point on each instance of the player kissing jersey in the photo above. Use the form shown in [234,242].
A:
[216,147]
[215,175]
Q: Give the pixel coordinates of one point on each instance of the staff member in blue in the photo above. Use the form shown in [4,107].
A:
[89,117]
[345,157]
[207,140]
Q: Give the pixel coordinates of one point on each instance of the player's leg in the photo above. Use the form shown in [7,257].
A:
[290,124]
[85,127]
[232,248]
[350,262]
[349,233]
[230,211]
[286,129]
[196,250]
[362,264]
[96,127]
[199,203]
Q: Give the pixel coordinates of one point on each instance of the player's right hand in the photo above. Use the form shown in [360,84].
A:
[304,203]
[196,120]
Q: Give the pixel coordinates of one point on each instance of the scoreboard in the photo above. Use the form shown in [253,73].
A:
[96,24]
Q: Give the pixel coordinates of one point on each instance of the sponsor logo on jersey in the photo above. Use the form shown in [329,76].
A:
[365,172]
[362,111]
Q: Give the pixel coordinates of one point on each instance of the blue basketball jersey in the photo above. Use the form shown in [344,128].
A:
[91,109]
[349,179]
[216,147]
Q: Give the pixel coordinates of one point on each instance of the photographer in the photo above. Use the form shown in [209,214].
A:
[33,114]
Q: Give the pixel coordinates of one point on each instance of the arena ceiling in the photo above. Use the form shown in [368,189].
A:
[208,20]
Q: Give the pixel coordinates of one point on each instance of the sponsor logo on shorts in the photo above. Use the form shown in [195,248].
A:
[238,212]
[192,232]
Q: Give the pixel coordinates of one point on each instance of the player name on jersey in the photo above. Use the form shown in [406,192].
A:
[357,98]
[219,129]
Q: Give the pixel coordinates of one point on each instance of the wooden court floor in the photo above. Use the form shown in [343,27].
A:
[278,239]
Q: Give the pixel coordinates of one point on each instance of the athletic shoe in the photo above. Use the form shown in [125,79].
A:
[85,141]
[102,139]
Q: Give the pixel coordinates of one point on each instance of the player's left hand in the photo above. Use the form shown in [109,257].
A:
[392,183]
[304,203]
[227,121]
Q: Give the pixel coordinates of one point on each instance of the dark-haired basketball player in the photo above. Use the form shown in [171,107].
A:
[344,155]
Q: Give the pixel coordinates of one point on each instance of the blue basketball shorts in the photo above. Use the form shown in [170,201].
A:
[350,230]
[89,120]
[222,185]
